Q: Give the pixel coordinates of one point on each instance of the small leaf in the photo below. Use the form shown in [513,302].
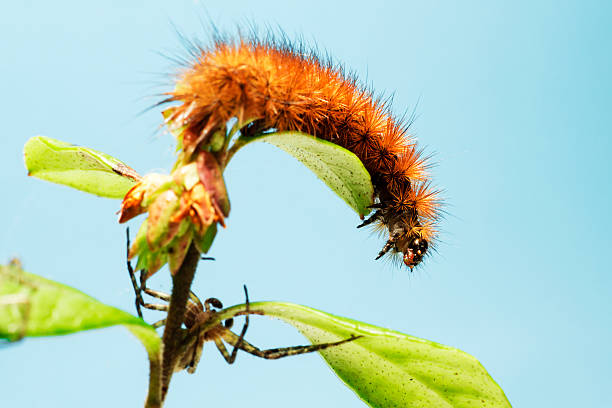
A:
[78,167]
[217,140]
[153,262]
[160,229]
[386,368]
[204,242]
[55,309]
[212,178]
[140,242]
[339,168]
[148,260]
[177,250]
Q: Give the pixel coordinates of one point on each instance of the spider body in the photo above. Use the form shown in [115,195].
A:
[196,317]
[196,332]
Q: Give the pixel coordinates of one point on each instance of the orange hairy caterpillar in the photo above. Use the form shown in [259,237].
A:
[280,86]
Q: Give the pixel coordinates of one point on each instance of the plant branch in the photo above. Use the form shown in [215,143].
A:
[230,153]
[181,285]
[154,396]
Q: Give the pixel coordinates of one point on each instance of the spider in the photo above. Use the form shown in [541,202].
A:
[197,314]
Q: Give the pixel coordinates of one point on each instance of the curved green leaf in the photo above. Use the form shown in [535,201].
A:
[78,167]
[34,306]
[386,368]
[339,168]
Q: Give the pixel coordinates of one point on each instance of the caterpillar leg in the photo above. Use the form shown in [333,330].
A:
[373,218]
[138,289]
[390,243]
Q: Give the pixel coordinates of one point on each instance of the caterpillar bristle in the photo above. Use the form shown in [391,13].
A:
[285,85]
[425,200]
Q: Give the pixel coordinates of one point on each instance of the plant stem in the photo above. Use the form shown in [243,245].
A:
[181,285]
[230,153]
[154,396]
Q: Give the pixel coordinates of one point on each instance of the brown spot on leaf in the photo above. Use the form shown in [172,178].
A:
[126,171]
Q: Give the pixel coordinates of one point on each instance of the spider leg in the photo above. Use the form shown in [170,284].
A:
[196,300]
[159,324]
[214,302]
[156,294]
[163,296]
[196,355]
[137,289]
[237,341]
[156,306]
[241,340]
[273,354]
[223,351]
[143,288]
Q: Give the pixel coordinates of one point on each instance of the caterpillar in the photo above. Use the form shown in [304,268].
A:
[287,87]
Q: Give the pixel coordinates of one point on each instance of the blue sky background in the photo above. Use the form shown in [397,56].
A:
[514,98]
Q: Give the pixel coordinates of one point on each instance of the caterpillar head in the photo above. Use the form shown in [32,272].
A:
[414,249]
[412,239]
[407,236]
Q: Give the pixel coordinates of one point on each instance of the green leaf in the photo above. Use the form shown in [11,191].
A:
[33,306]
[204,242]
[386,368]
[339,168]
[78,167]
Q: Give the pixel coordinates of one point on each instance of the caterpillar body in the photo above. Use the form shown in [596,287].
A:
[287,87]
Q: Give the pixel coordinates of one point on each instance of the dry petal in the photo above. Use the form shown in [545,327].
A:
[203,213]
[133,202]
[212,178]
[130,207]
